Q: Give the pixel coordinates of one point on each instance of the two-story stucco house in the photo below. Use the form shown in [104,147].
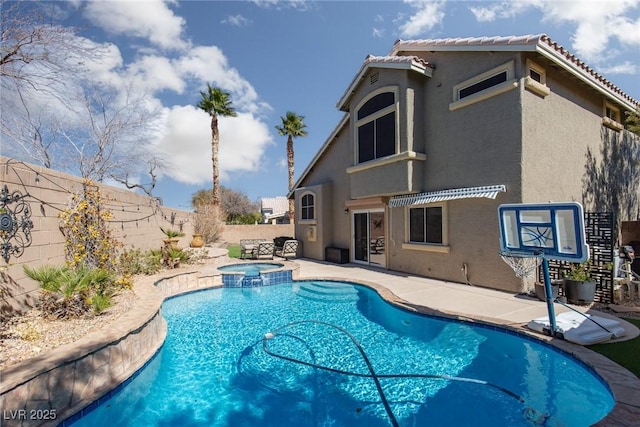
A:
[436,136]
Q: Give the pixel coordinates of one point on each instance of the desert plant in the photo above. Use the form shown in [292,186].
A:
[172,257]
[102,300]
[172,234]
[67,293]
[580,272]
[84,224]
[208,222]
[134,261]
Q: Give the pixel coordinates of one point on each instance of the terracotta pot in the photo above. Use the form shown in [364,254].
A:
[173,242]
[197,241]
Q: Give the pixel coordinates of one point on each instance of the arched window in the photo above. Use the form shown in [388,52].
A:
[376,127]
[307,207]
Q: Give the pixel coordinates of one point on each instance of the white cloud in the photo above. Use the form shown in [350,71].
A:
[301,5]
[597,24]
[208,64]
[429,14]
[155,73]
[237,21]
[150,19]
[186,144]
[503,9]
[378,33]
[624,68]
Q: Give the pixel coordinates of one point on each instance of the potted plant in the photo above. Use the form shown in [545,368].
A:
[197,241]
[578,284]
[173,236]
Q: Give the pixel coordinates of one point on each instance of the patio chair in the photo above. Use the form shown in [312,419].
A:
[264,250]
[248,247]
[377,246]
[289,249]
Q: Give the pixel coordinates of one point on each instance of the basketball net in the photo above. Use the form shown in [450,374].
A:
[524,264]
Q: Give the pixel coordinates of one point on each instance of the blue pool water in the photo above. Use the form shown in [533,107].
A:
[250,269]
[283,355]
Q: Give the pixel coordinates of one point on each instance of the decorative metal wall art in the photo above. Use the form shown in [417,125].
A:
[15,224]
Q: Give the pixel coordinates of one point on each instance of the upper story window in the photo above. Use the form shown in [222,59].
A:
[376,127]
[611,117]
[535,79]
[483,86]
[307,207]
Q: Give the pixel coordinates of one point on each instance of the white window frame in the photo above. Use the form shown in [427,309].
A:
[314,206]
[539,88]
[509,84]
[614,122]
[428,247]
[378,114]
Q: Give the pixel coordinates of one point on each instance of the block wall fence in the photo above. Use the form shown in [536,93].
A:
[136,222]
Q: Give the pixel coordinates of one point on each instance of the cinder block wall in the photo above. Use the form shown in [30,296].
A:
[45,193]
[233,233]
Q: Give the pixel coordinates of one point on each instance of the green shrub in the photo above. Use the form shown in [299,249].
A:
[172,257]
[67,293]
[134,261]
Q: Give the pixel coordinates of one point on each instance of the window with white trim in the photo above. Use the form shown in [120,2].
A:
[486,85]
[376,126]
[535,79]
[611,117]
[307,207]
[426,225]
[536,72]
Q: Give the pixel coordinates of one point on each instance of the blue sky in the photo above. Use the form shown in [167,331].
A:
[275,56]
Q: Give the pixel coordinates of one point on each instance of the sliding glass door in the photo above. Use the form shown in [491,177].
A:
[369,237]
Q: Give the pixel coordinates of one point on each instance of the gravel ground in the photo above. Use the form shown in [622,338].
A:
[29,335]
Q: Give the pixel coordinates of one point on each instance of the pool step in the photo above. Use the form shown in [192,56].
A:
[328,292]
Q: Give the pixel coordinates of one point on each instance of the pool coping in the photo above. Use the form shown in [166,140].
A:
[100,361]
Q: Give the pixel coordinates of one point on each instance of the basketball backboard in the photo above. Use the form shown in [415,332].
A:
[552,230]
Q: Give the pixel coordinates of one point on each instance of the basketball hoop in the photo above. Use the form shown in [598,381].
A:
[524,264]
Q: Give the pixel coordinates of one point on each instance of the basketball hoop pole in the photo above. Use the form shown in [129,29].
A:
[549,295]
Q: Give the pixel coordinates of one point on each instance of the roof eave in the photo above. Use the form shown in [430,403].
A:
[413,66]
[558,58]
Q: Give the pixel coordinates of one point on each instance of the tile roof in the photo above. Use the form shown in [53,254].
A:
[393,59]
[414,63]
[278,205]
[538,42]
[572,58]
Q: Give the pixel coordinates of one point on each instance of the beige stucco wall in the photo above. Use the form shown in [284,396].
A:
[136,222]
[556,136]
[535,146]
[334,224]
[314,232]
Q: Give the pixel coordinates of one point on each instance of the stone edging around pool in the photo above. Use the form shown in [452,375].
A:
[83,371]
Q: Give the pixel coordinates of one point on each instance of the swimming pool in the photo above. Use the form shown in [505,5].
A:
[283,355]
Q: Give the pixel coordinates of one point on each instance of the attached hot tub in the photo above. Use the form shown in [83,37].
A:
[254,274]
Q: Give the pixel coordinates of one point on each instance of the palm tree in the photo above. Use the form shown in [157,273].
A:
[215,102]
[293,126]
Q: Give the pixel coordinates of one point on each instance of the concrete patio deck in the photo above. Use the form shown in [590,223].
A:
[456,299]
